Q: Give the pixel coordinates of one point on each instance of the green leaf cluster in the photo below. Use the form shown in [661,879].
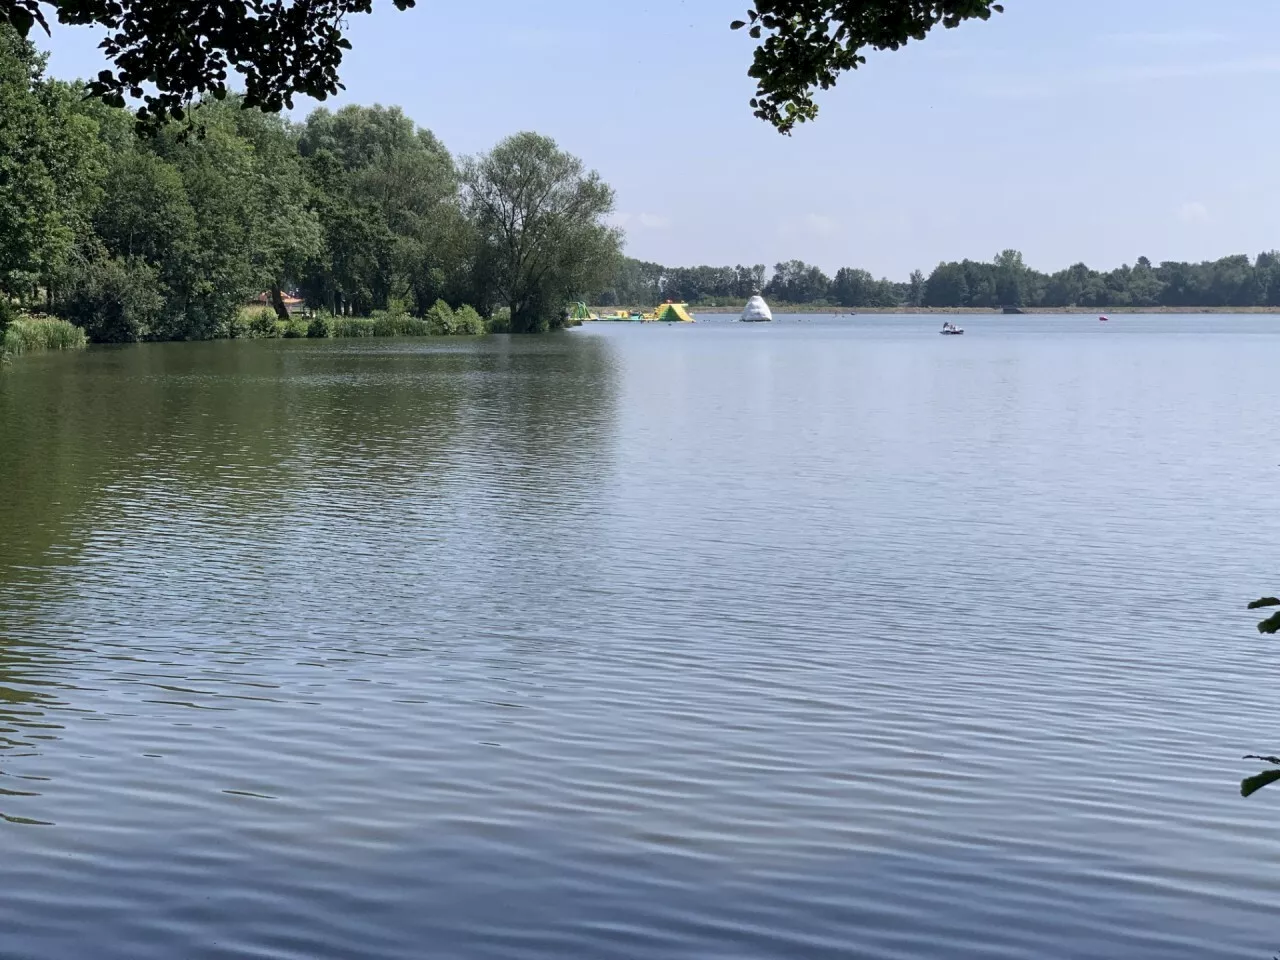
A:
[807,44]
[167,55]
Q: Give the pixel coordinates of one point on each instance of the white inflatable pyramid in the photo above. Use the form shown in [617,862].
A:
[756,310]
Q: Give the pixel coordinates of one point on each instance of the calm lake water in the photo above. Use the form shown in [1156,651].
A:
[812,639]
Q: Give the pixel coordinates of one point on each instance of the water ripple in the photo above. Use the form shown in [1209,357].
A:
[821,640]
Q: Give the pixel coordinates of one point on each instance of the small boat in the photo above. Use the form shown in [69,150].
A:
[1104,319]
[949,329]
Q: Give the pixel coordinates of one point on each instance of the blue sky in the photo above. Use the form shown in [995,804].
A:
[1094,130]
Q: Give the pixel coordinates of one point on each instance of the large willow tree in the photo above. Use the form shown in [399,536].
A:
[540,218]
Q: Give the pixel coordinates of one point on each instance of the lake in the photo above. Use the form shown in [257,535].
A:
[824,638]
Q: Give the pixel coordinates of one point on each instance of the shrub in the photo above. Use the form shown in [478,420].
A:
[321,325]
[237,326]
[352,327]
[116,300]
[392,324]
[294,328]
[440,319]
[468,322]
[500,321]
[42,333]
[262,324]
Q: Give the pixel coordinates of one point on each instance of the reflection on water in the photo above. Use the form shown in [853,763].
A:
[811,640]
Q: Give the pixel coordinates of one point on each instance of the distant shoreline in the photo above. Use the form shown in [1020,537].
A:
[980,311]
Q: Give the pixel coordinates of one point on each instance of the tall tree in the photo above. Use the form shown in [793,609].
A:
[798,282]
[50,168]
[853,287]
[915,289]
[289,238]
[540,218]
[946,287]
[1011,277]
[387,197]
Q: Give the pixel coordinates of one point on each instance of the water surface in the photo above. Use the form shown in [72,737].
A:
[813,639]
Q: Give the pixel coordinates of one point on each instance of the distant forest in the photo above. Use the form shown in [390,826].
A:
[1005,281]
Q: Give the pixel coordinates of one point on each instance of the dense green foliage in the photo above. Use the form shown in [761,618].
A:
[165,235]
[1234,281]
[1005,281]
[809,43]
[538,217]
[168,54]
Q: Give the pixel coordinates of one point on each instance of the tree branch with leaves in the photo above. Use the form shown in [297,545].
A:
[1250,785]
[808,44]
[168,54]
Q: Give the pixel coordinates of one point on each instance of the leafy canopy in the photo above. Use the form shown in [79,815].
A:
[809,43]
[540,217]
[169,53]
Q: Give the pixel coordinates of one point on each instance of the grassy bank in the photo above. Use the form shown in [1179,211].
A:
[256,323]
[28,333]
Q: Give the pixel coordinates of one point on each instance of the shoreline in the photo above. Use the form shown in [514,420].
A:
[982,311]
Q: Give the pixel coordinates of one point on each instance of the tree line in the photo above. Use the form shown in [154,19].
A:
[1004,281]
[165,232]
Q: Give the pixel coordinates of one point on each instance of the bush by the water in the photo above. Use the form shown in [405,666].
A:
[465,321]
[352,327]
[115,299]
[387,323]
[236,328]
[41,333]
[500,322]
[441,320]
[262,324]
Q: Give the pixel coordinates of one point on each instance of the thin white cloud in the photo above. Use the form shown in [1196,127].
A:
[653,221]
[1193,212]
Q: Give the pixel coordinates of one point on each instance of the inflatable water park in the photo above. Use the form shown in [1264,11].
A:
[669,312]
